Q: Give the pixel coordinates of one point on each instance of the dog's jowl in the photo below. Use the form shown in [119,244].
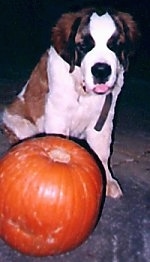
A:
[74,88]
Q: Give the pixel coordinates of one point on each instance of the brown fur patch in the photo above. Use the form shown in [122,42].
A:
[33,103]
[128,29]
[13,139]
[127,35]
[61,32]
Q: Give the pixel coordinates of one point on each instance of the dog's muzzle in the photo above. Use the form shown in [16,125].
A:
[101,73]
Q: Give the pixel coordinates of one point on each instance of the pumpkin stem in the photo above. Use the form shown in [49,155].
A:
[59,155]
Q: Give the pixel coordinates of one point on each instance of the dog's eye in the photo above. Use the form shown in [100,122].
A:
[86,44]
[81,46]
[113,44]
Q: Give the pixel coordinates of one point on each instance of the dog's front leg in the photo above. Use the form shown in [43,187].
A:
[55,121]
[100,142]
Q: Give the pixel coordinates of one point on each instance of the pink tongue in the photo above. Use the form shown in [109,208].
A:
[102,88]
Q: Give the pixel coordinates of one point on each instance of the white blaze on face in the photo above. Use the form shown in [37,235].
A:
[101,29]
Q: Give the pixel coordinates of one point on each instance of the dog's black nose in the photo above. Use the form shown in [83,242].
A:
[101,71]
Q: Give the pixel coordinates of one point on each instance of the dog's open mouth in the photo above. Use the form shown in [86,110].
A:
[98,89]
[101,88]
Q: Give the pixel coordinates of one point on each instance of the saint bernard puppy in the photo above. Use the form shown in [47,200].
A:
[74,87]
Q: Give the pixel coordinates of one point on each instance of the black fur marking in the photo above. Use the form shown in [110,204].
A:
[84,47]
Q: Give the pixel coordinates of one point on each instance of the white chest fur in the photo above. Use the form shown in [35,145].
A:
[67,112]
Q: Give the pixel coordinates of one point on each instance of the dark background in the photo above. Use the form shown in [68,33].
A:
[25,27]
[123,232]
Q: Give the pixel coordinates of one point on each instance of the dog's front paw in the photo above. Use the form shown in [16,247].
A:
[113,189]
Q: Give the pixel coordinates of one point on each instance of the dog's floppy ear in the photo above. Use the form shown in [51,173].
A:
[63,37]
[132,33]
[129,35]
[68,53]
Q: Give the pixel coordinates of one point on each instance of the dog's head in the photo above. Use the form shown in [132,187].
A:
[98,43]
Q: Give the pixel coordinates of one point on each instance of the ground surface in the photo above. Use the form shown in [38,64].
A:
[123,232]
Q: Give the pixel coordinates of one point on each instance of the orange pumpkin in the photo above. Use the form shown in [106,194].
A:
[50,196]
